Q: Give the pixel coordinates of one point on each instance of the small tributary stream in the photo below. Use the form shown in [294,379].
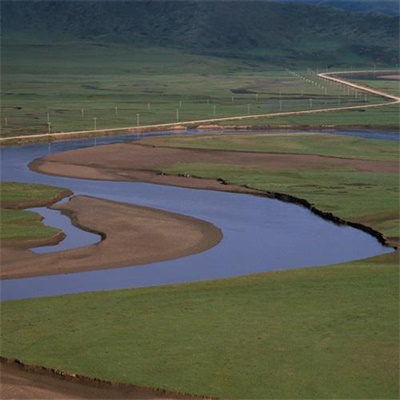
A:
[259,234]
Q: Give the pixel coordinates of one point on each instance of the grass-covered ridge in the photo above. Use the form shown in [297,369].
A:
[280,33]
[390,7]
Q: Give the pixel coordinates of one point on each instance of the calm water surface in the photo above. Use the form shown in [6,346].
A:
[259,234]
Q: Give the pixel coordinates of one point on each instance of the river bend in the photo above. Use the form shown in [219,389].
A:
[259,234]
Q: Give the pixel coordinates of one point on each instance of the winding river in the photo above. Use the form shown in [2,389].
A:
[259,234]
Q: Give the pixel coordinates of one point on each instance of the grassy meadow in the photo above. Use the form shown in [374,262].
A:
[17,224]
[73,86]
[310,333]
[382,117]
[319,333]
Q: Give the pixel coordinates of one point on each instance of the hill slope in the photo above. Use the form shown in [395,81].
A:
[389,7]
[248,29]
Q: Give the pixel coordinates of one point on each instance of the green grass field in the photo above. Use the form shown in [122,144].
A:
[72,86]
[16,224]
[320,333]
[311,333]
[290,143]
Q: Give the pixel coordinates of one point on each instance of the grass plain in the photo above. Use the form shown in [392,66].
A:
[318,333]
[328,332]
[73,86]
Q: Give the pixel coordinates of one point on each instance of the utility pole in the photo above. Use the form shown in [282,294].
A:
[214,107]
[49,127]
[138,119]
[177,115]
[116,111]
[95,123]
[82,113]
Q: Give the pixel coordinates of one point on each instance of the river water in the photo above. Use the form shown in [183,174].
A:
[259,234]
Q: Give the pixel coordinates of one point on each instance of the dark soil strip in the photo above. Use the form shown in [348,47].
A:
[56,383]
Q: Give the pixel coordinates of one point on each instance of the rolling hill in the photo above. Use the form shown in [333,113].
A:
[389,7]
[271,31]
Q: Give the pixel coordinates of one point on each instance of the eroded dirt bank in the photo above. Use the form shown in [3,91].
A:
[22,381]
[134,235]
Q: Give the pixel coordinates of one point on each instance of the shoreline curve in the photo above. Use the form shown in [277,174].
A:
[131,235]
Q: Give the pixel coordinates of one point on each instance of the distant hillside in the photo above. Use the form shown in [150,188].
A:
[389,7]
[276,32]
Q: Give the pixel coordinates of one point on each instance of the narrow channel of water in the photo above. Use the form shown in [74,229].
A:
[259,234]
[74,238]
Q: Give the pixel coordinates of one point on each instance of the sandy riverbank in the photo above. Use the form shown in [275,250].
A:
[137,235]
[132,235]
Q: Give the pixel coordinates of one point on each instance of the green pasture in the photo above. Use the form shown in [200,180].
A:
[385,117]
[379,82]
[18,224]
[311,333]
[291,143]
[23,225]
[320,333]
[72,86]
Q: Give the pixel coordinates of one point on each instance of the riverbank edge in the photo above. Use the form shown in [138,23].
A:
[37,203]
[211,235]
[36,242]
[333,218]
[287,198]
[96,382]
